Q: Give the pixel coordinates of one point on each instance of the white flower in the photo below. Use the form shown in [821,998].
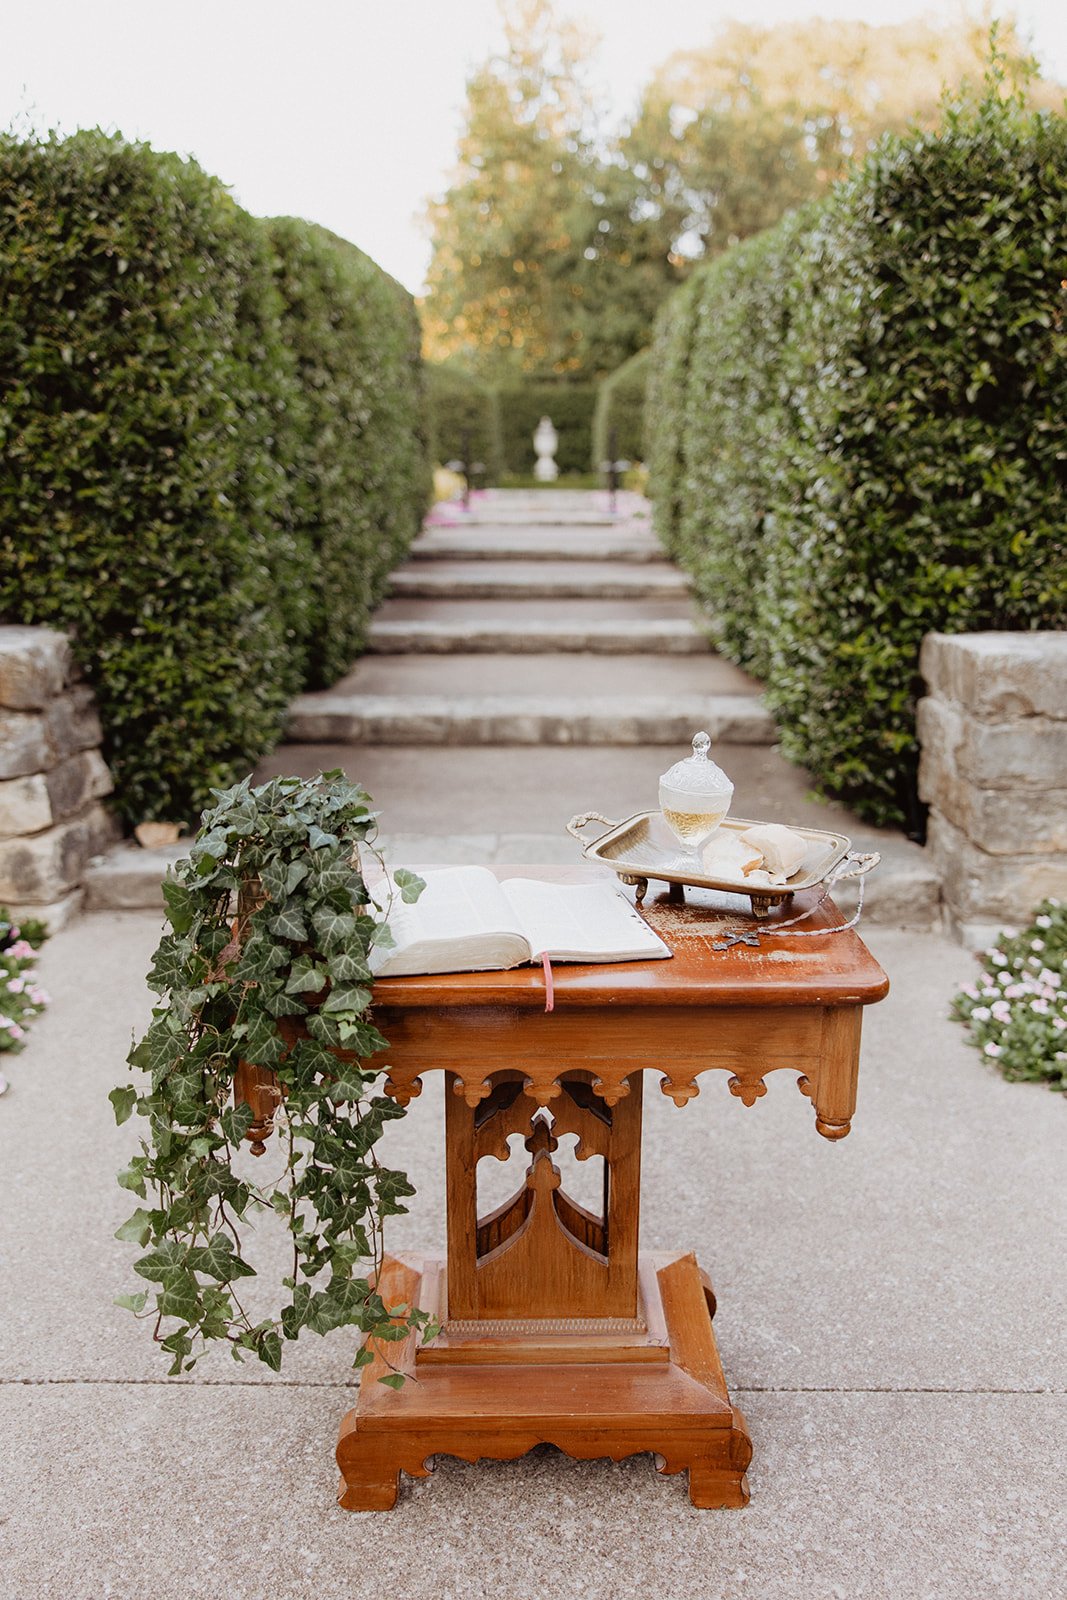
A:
[998,958]
[1037,944]
[1040,1006]
[992,1049]
[1043,922]
[1003,977]
[1001,1011]
[981,1013]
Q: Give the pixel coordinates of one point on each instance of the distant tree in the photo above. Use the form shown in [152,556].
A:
[767,117]
[555,244]
[496,298]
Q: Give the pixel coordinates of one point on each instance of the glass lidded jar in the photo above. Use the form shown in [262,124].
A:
[694,797]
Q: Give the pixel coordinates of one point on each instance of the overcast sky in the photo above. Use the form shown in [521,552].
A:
[342,111]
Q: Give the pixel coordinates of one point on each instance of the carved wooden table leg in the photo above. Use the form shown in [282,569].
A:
[552,1330]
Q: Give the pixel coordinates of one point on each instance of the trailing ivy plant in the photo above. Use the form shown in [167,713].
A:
[285,858]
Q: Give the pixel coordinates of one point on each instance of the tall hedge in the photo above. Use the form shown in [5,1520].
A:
[212,449]
[890,456]
[463,410]
[141,503]
[569,405]
[357,436]
[667,408]
[620,404]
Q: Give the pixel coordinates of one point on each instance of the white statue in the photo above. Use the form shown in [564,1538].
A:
[546,442]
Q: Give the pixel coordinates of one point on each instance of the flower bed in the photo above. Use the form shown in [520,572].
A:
[1016,1013]
[21,996]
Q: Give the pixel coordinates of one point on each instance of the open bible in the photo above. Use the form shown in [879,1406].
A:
[466,920]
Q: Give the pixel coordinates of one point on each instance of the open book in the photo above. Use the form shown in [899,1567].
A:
[466,920]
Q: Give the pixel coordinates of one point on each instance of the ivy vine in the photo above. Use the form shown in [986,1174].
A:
[271,922]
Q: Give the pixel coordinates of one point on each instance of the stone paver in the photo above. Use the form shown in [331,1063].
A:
[538,580]
[891,1313]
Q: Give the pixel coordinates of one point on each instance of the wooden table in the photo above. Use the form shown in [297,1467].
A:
[554,1329]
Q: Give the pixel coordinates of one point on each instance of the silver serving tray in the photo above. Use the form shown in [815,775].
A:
[644,847]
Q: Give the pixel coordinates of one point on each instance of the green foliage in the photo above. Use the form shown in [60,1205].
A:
[300,951]
[570,406]
[666,410]
[620,404]
[464,409]
[872,435]
[1016,1013]
[213,451]
[355,439]
[21,996]
[140,503]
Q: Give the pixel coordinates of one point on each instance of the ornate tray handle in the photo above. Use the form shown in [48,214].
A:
[583,819]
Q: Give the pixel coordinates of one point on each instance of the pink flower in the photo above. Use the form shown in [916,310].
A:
[1014,990]
[20,949]
[16,985]
[1040,1006]
[39,997]
[16,1032]
[1001,1011]
[992,1049]
[980,1013]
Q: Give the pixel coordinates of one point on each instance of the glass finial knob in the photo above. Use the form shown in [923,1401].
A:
[701,746]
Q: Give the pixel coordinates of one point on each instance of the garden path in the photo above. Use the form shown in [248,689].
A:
[539,656]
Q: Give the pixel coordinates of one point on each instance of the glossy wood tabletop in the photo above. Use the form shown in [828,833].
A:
[788,970]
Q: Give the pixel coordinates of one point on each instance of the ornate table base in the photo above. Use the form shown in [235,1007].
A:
[609,1386]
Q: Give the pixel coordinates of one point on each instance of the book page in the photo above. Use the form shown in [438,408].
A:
[581,922]
[460,922]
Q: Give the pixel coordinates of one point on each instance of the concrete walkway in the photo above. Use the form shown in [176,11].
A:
[891,1308]
[891,1322]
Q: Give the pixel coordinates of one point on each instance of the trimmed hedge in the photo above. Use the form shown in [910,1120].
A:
[874,434]
[620,404]
[570,406]
[357,435]
[462,406]
[159,491]
[141,503]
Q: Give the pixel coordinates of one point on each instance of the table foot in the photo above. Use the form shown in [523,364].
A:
[653,1386]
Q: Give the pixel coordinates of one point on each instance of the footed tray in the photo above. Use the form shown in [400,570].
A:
[644,847]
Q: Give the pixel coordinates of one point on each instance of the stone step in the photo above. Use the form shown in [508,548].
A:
[531,719]
[522,627]
[619,677]
[602,638]
[521,543]
[538,580]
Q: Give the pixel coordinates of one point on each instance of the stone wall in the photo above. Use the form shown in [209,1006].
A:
[993,729]
[52,777]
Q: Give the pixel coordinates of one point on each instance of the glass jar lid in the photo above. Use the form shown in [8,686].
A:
[697,774]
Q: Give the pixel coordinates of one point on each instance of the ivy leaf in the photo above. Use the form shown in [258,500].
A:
[131,1302]
[318,838]
[347,999]
[333,927]
[306,977]
[263,1044]
[219,1260]
[289,924]
[349,1085]
[236,1121]
[364,1357]
[348,964]
[180,903]
[123,1101]
[409,884]
[393,1380]
[132,1176]
[136,1230]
